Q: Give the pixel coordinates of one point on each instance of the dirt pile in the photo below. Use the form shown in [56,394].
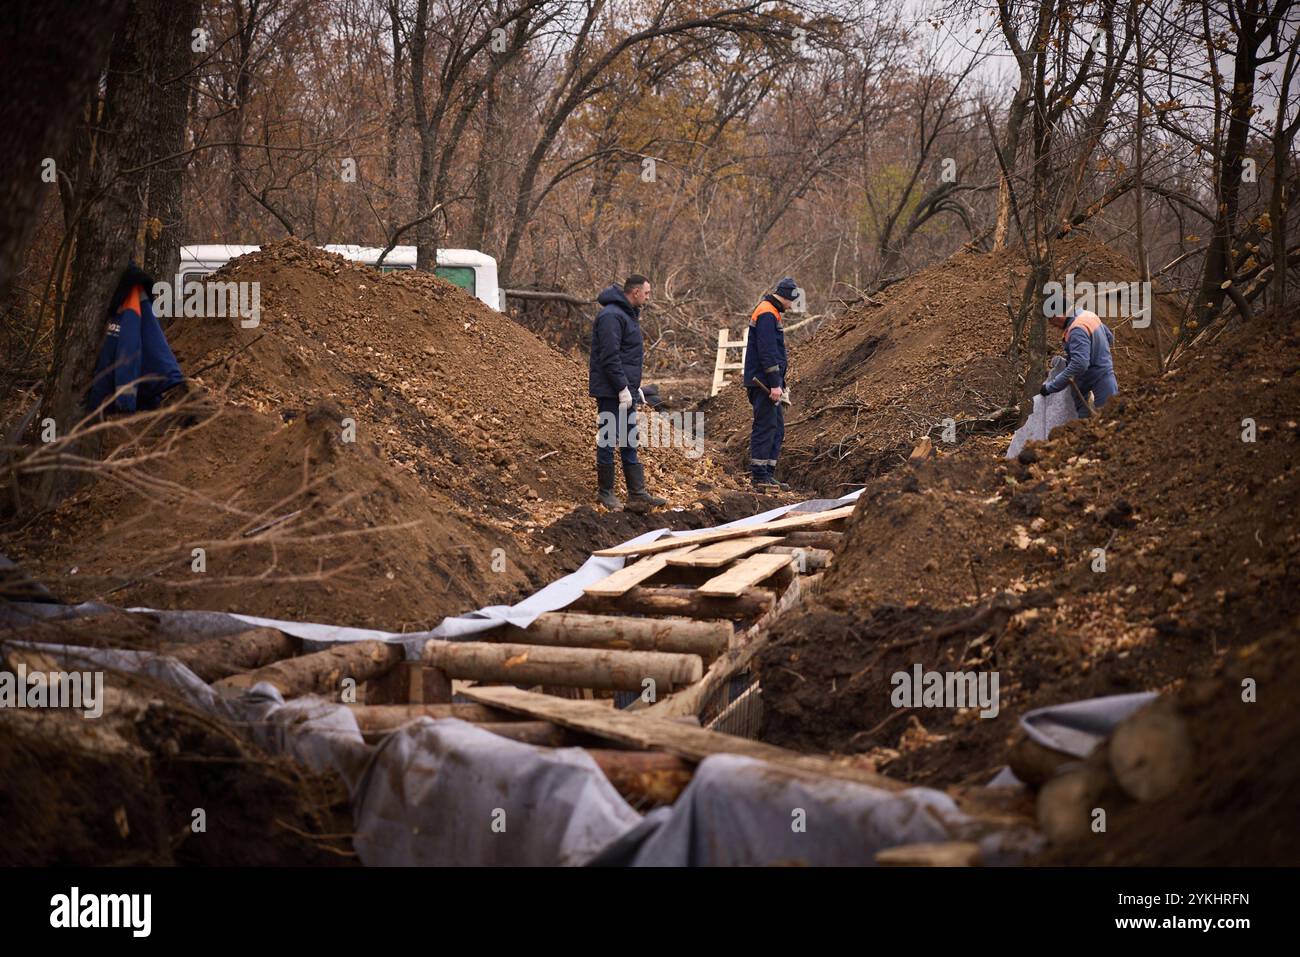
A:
[386,450]
[459,396]
[1131,551]
[122,789]
[1238,806]
[871,383]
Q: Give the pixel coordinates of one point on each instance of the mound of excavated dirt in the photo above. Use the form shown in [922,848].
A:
[465,400]
[386,450]
[122,789]
[968,562]
[1238,805]
[869,384]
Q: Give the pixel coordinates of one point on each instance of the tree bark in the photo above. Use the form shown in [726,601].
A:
[172,64]
[53,54]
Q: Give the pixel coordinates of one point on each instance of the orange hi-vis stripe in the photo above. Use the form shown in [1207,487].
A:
[132,302]
[1089,320]
[763,307]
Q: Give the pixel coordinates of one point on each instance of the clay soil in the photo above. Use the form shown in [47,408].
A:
[968,562]
[467,479]
[869,384]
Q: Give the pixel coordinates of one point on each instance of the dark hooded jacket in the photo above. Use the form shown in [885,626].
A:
[134,357]
[617,348]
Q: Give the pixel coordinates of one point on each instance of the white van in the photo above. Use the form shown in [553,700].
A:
[473,271]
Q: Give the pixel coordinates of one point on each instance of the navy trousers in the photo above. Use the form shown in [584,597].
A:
[768,432]
[615,429]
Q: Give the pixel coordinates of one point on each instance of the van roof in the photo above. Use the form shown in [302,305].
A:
[221,252]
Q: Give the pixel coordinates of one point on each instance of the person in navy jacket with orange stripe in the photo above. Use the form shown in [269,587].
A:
[135,361]
[765,369]
[1088,343]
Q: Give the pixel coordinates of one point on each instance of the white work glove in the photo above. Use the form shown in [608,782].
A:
[641,395]
[624,398]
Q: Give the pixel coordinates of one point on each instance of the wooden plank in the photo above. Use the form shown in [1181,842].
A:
[745,573]
[684,602]
[720,553]
[782,525]
[644,733]
[629,576]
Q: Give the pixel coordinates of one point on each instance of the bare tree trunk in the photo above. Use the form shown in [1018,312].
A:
[395,114]
[1219,259]
[53,53]
[109,224]
[170,111]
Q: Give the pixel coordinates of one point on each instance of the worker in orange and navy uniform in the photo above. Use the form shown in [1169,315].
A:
[1088,342]
[765,371]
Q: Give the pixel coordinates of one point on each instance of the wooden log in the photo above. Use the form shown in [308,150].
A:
[708,639]
[215,658]
[568,667]
[941,854]
[1151,752]
[805,559]
[323,672]
[641,731]
[682,602]
[387,717]
[644,778]
[722,553]
[745,574]
[542,733]
[1067,804]
[1035,764]
[780,525]
[821,538]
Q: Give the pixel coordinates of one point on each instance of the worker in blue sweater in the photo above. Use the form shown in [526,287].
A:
[1088,344]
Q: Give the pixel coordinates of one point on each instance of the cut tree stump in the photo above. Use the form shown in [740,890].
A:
[565,667]
[322,673]
[708,639]
[215,658]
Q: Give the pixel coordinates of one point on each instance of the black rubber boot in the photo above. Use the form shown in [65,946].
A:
[638,499]
[605,476]
[762,481]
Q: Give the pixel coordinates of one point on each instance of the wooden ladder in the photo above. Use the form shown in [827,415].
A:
[722,366]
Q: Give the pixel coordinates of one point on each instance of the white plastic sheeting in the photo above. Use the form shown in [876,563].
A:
[1049,412]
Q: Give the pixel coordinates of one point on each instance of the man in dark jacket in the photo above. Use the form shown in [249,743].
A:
[765,369]
[1088,344]
[614,379]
